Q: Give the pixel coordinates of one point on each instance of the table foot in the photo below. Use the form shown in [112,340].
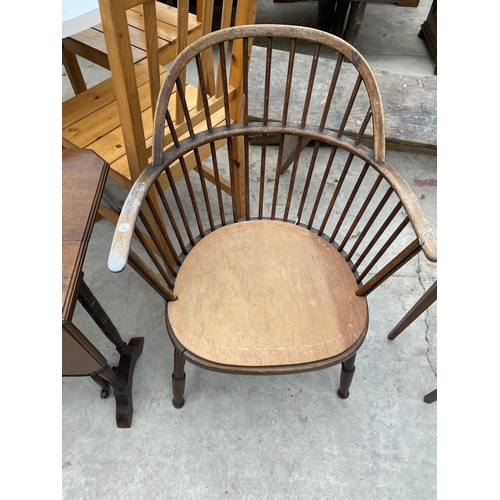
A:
[123,391]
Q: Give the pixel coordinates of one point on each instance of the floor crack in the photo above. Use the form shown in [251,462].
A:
[426,316]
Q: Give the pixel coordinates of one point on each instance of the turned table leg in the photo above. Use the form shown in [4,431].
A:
[120,377]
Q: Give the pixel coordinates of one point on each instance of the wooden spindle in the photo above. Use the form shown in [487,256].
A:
[178,201]
[204,98]
[312,76]
[326,173]
[277,173]
[206,108]
[265,118]
[288,86]
[361,212]
[218,187]
[349,202]
[307,182]
[350,105]
[377,236]
[397,263]
[384,248]
[182,162]
[331,90]
[230,158]
[204,188]
[298,149]
[206,22]
[225,92]
[163,231]
[225,22]
[170,216]
[369,224]
[141,268]
[246,57]
[363,127]
[284,118]
[152,255]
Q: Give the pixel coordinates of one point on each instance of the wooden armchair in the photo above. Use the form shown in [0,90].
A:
[279,283]
[115,117]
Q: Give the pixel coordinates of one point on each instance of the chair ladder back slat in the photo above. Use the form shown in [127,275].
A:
[114,21]
[150,30]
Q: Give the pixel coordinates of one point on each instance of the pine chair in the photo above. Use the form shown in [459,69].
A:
[279,285]
[115,117]
[90,44]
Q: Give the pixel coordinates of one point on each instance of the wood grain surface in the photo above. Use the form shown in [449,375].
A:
[266,293]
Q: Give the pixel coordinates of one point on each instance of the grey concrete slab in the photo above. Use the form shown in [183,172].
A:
[246,437]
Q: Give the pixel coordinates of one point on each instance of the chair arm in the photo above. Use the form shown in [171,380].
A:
[124,231]
[414,210]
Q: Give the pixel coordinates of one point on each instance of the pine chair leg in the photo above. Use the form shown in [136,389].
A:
[346,377]
[178,380]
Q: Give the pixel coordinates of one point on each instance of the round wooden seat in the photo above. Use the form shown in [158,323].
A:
[266,294]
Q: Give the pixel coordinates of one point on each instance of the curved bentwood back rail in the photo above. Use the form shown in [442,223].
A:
[293,85]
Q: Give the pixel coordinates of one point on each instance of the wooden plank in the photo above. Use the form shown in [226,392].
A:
[409,102]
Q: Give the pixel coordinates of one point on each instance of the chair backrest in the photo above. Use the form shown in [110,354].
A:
[356,201]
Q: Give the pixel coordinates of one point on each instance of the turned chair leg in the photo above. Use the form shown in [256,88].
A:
[346,377]
[178,380]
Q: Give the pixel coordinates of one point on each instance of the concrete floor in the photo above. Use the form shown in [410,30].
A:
[279,437]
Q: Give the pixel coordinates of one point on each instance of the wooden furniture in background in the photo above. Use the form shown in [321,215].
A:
[91,45]
[427,299]
[343,17]
[115,117]
[428,32]
[281,286]
[83,178]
